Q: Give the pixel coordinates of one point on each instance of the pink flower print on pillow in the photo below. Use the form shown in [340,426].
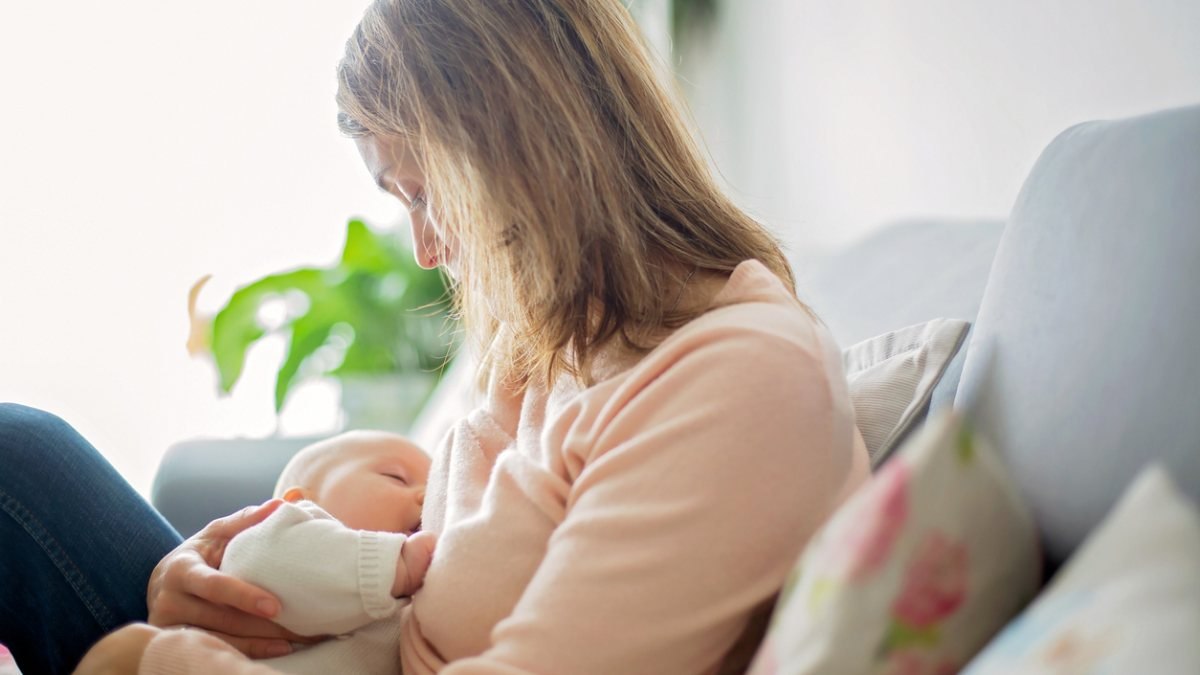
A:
[935,586]
[885,513]
[861,537]
[935,583]
[867,541]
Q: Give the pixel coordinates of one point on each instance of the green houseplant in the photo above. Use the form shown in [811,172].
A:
[374,316]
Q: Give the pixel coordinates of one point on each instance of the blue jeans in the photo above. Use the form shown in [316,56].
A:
[77,543]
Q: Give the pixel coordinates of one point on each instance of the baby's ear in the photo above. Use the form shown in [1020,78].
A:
[293,494]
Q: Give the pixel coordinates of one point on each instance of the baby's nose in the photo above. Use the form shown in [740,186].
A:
[421,496]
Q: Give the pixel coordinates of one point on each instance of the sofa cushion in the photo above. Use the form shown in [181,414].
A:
[1092,317]
[892,376]
[201,480]
[1127,601]
[914,573]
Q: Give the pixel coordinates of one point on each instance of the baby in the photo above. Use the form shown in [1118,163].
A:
[342,550]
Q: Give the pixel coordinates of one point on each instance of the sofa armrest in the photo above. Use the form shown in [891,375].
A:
[201,480]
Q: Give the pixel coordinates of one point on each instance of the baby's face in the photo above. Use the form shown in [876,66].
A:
[376,483]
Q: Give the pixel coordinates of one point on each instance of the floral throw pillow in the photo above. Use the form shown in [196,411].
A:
[915,572]
[1128,601]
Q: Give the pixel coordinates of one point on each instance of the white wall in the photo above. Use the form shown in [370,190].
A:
[146,143]
[142,145]
[829,118]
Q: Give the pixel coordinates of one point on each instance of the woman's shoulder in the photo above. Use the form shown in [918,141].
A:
[758,357]
[754,333]
[754,330]
[754,308]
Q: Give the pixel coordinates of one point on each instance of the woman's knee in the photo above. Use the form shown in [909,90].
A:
[44,460]
[25,430]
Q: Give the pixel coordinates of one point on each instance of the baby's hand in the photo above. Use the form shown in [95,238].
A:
[414,560]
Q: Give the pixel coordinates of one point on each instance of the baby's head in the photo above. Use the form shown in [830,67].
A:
[368,480]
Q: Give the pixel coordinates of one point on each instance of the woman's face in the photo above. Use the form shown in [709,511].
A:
[394,168]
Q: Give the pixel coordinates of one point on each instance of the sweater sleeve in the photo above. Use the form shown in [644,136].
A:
[330,579]
[689,511]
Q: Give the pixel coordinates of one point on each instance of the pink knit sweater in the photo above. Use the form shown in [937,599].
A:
[633,526]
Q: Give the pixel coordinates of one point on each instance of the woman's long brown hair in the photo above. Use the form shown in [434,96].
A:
[556,154]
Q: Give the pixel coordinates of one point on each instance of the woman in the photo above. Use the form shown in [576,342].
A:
[664,424]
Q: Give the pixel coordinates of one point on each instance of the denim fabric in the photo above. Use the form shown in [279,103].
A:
[77,543]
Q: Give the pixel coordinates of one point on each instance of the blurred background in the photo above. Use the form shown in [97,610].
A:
[146,144]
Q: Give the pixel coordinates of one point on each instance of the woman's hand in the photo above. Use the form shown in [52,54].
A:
[186,588]
[119,653]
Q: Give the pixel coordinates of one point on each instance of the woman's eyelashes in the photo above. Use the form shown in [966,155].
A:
[413,198]
[416,201]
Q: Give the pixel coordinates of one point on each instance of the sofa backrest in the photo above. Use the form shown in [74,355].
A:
[1083,363]
[902,274]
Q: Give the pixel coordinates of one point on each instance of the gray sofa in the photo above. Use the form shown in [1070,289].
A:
[1082,359]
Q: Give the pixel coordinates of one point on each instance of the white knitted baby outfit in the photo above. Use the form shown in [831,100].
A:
[330,580]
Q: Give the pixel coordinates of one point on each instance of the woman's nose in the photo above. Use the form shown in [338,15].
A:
[426,247]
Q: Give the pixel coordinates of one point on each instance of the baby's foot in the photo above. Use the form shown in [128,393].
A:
[415,557]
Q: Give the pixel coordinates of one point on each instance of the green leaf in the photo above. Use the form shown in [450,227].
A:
[310,332]
[398,313]
[308,335]
[365,250]
[236,327]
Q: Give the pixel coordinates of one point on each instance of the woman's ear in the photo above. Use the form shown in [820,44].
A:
[294,494]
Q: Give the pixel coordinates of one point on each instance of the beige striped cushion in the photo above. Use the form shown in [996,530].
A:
[892,376]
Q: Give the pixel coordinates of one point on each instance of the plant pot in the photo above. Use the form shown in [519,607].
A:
[388,402]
